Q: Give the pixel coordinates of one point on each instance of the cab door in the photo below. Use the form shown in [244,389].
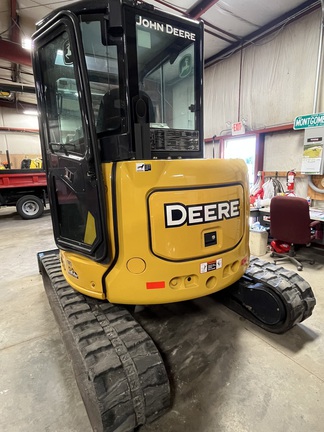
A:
[69,141]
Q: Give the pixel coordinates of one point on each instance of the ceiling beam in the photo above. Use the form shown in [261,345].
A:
[218,36]
[14,36]
[201,11]
[14,53]
[19,107]
[301,10]
[16,87]
[200,8]
[224,32]
[171,6]
[18,130]
[14,27]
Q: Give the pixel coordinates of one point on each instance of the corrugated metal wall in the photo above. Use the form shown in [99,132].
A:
[277,84]
[277,80]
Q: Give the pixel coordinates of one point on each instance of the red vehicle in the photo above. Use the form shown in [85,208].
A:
[25,189]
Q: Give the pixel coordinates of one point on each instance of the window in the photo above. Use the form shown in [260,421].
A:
[242,148]
[63,113]
[166,71]
[108,102]
[73,198]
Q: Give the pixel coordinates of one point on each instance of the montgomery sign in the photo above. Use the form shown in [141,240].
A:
[310,120]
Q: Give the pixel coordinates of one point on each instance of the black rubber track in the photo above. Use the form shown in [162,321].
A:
[294,292]
[118,369]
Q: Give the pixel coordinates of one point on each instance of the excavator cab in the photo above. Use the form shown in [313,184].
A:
[114,83]
[139,216]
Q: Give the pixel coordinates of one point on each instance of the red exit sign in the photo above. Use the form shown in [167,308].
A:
[238,128]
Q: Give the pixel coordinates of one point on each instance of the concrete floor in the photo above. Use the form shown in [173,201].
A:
[230,376]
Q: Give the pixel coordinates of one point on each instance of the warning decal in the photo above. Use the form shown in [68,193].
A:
[211,265]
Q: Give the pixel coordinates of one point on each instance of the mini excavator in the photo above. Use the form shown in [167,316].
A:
[139,216]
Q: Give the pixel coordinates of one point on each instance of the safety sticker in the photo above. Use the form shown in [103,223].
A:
[211,265]
[143,167]
[73,273]
[71,270]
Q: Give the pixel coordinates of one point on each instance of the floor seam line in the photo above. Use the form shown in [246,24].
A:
[24,341]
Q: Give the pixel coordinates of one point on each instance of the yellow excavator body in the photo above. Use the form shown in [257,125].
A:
[182,235]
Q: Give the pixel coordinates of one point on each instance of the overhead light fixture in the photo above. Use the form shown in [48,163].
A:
[30,112]
[26,43]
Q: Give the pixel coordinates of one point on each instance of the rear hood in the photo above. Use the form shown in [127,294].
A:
[192,223]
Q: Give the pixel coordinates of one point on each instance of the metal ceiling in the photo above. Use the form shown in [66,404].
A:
[229,26]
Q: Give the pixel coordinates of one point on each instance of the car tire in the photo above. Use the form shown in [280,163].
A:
[30,207]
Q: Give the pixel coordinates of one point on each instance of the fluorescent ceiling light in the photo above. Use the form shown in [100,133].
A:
[30,112]
[26,43]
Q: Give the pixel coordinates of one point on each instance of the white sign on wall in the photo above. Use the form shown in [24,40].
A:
[312,162]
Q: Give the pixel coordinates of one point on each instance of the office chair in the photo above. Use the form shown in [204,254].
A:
[290,222]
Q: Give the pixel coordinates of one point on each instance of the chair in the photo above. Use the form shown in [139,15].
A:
[112,110]
[290,222]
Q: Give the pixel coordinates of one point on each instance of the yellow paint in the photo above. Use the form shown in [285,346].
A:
[90,231]
[83,274]
[148,251]
[136,265]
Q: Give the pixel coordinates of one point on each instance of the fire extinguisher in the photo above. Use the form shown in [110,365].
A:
[291,182]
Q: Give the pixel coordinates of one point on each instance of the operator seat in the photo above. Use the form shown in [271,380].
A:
[112,110]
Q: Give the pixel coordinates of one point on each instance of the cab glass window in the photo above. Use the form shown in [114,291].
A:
[61,97]
[67,146]
[166,71]
[101,56]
